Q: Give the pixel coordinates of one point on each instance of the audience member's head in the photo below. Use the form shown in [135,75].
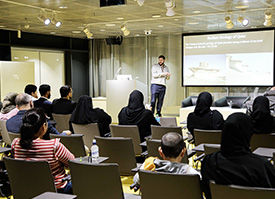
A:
[23,101]
[172,146]
[136,100]
[34,126]
[236,134]
[9,102]
[45,90]
[203,104]
[31,90]
[66,92]
[82,113]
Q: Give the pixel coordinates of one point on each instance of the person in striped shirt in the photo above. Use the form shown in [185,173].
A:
[31,146]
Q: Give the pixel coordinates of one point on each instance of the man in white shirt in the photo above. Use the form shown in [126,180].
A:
[160,73]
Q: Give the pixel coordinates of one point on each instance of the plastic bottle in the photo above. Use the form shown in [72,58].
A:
[94,152]
[157,118]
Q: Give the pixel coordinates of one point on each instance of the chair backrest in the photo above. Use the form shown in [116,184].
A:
[208,149]
[152,147]
[14,135]
[88,130]
[262,140]
[73,142]
[130,131]
[168,121]
[120,151]
[29,178]
[273,159]
[189,101]
[100,181]
[159,131]
[62,121]
[167,185]
[207,136]
[234,191]
[4,132]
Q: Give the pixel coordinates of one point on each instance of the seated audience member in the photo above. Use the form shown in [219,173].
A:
[32,91]
[203,117]
[84,113]
[136,114]
[9,107]
[31,146]
[64,105]
[235,163]
[172,150]
[271,97]
[262,120]
[43,102]
[24,102]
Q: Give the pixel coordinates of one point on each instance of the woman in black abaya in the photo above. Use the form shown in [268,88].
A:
[136,114]
[235,163]
[263,122]
[84,113]
[203,117]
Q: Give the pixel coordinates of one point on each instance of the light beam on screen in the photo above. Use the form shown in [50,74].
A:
[229,59]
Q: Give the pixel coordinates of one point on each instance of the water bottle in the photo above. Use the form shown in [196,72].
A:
[94,152]
[157,118]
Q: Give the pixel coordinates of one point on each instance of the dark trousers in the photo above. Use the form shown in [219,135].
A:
[157,94]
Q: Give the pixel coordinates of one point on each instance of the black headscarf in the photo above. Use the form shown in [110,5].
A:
[203,103]
[84,112]
[133,113]
[236,134]
[262,120]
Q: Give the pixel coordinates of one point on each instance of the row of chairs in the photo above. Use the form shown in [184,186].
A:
[103,181]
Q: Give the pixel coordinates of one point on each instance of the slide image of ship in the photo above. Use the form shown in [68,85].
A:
[236,65]
[203,70]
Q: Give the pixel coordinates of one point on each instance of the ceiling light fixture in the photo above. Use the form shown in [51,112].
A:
[125,31]
[229,22]
[242,19]
[43,17]
[56,21]
[170,4]
[87,32]
[27,25]
[19,33]
[140,2]
[268,18]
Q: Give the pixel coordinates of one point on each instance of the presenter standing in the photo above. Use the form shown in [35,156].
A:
[160,73]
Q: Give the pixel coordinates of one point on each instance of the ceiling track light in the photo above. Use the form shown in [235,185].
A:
[268,18]
[27,25]
[87,32]
[242,19]
[170,4]
[125,31]
[43,17]
[229,21]
[55,21]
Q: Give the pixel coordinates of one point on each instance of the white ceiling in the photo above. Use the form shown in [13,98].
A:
[191,16]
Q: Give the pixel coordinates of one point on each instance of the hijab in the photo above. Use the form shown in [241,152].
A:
[9,102]
[262,120]
[203,103]
[84,112]
[236,134]
[133,113]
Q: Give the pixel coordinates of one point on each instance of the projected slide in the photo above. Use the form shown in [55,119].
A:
[231,59]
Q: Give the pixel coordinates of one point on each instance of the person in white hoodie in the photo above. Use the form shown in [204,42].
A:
[172,150]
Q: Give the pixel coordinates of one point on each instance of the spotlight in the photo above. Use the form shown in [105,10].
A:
[87,32]
[27,25]
[170,5]
[140,2]
[55,21]
[125,31]
[268,18]
[19,34]
[243,21]
[43,17]
[229,22]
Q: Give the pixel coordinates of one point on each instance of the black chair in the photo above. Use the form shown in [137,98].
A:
[189,101]
[233,101]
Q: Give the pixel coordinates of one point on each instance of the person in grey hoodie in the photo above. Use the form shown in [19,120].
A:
[172,150]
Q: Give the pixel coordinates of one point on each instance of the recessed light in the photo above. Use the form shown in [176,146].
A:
[16,58]
[176,19]
[76,31]
[160,26]
[2,26]
[102,30]
[253,26]
[110,24]
[52,33]
[242,6]
[193,23]
[137,35]
[80,27]
[63,7]
[120,18]
[156,15]
[26,57]
[196,11]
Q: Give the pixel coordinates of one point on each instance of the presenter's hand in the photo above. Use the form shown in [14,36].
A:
[67,132]
[168,74]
